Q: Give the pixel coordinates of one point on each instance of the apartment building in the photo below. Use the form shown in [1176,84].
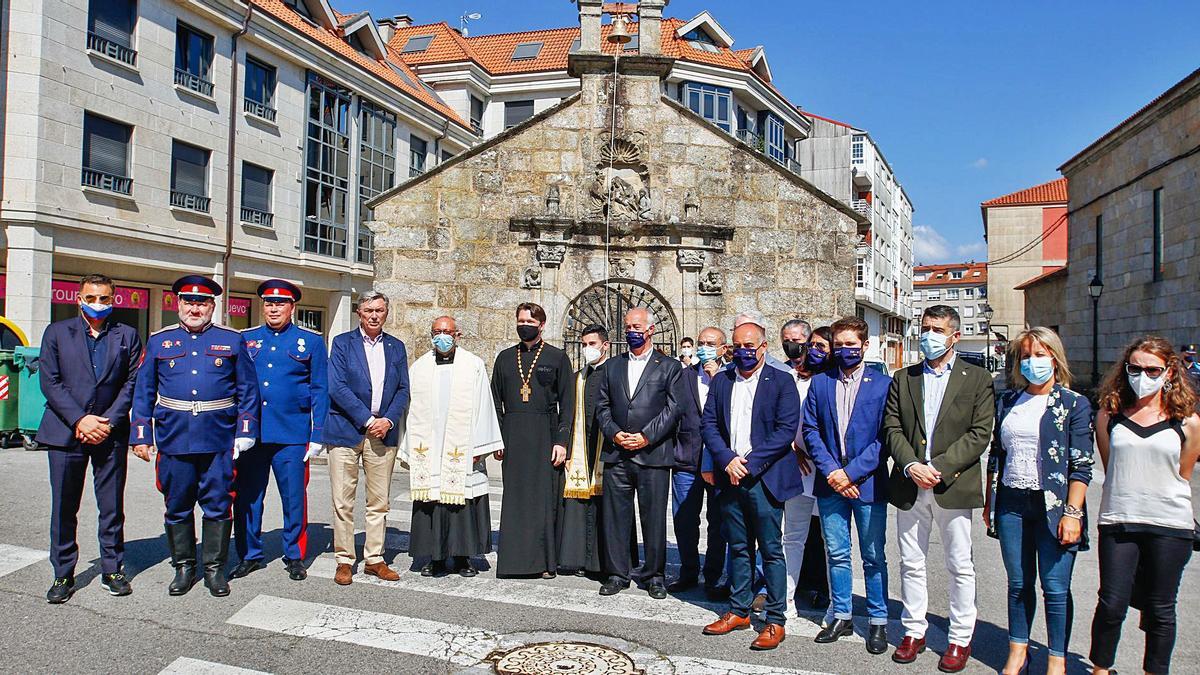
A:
[963,286]
[846,163]
[148,139]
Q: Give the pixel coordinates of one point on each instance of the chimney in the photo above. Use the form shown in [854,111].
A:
[650,26]
[589,25]
[402,20]
[387,28]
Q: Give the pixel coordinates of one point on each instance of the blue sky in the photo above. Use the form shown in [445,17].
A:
[968,100]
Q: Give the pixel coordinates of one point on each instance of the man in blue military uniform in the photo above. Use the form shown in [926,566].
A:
[291,363]
[196,400]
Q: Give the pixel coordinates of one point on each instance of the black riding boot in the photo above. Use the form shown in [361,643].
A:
[215,549]
[181,538]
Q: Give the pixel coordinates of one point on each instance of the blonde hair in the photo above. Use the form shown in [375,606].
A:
[1053,344]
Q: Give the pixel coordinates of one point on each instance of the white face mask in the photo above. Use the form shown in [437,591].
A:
[1144,385]
[686,352]
[591,355]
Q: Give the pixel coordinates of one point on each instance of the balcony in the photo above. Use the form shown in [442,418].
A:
[862,177]
[414,171]
[256,217]
[861,206]
[258,109]
[189,202]
[193,82]
[793,166]
[477,128]
[111,49]
[749,138]
[107,182]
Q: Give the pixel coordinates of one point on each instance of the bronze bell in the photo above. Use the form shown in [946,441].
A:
[620,32]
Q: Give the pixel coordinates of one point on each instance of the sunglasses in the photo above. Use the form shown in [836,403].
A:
[1153,371]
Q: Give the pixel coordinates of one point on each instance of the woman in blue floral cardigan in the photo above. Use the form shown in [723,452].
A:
[1039,468]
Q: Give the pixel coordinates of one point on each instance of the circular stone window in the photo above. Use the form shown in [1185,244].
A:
[564,658]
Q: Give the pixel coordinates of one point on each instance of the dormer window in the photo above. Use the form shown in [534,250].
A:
[301,8]
[526,51]
[417,44]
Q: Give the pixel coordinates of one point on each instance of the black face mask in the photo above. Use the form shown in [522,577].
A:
[794,350]
[527,332]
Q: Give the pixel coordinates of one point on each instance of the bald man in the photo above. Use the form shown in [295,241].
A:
[639,409]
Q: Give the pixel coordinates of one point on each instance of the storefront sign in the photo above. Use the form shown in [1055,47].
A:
[237,306]
[67,293]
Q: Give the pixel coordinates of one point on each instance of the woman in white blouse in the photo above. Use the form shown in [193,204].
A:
[1039,468]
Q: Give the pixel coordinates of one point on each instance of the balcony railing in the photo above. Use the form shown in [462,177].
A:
[477,128]
[194,82]
[259,109]
[749,138]
[861,206]
[414,171]
[256,217]
[106,181]
[111,49]
[191,202]
[793,165]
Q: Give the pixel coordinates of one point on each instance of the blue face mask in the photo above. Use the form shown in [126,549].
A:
[933,344]
[847,357]
[815,359]
[1037,369]
[443,343]
[706,353]
[96,311]
[635,338]
[746,358]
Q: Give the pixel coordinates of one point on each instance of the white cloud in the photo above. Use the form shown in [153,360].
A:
[980,163]
[930,247]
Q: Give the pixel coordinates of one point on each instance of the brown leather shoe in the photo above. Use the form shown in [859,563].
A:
[908,649]
[344,574]
[727,624]
[381,570]
[769,638]
[955,659]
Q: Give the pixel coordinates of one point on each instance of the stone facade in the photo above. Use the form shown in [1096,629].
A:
[1043,306]
[522,218]
[1115,179]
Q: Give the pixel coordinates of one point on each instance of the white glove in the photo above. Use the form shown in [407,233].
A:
[314,449]
[241,445]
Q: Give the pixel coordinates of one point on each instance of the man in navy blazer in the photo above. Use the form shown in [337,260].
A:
[368,392]
[87,369]
[750,420]
[843,430]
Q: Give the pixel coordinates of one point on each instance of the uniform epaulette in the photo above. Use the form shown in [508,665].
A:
[314,332]
[166,328]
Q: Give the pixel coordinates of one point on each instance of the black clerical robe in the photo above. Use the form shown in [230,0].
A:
[532,502]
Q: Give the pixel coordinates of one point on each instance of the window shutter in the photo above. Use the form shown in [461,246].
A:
[256,188]
[106,146]
[190,168]
[112,20]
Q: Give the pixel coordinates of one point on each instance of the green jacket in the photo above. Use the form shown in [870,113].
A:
[961,437]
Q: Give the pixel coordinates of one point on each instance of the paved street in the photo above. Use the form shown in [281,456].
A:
[418,625]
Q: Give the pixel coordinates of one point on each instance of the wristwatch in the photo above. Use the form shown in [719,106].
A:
[1073,512]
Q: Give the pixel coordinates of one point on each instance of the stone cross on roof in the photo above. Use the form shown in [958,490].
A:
[649,13]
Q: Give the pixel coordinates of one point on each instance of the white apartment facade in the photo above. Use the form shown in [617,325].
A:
[119,118]
[845,162]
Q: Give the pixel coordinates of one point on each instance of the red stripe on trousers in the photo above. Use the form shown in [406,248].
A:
[302,541]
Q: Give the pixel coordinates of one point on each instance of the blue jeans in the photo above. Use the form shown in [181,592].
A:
[688,492]
[1030,550]
[871,522]
[751,515]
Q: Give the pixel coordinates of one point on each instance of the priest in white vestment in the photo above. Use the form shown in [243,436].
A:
[450,430]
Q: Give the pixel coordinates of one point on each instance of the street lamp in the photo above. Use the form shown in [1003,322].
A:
[1095,288]
[987,312]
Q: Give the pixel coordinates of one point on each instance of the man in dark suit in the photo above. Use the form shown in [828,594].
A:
[368,392]
[87,371]
[938,423]
[639,409]
[750,420]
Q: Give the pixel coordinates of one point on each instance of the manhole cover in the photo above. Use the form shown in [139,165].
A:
[563,658]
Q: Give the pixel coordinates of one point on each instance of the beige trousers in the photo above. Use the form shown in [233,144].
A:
[377,461]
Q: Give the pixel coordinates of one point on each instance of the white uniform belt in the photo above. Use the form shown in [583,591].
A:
[196,407]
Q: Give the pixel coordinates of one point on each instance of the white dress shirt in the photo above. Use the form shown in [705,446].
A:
[637,366]
[703,380]
[741,412]
[377,365]
[933,385]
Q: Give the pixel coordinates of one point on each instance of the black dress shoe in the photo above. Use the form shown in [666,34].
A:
[681,585]
[115,584]
[295,569]
[840,628]
[716,592]
[613,586]
[61,590]
[656,590]
[430,569]
[465,568]
[877,639]
[245,567]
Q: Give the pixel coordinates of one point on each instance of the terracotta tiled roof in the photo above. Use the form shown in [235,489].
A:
[338,45]
[745,54]
[1054,192]
[494,52]
[1051,273]
[447,45]
[828,119]
[974,274]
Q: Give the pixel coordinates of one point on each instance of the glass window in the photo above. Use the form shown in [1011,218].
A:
[312,319]
[327,168]
[417,149]
[856,149]
[516,112]
[968,312]
[301,8]
[477,114]
[110,28]
[968,293]
[951,293]
[189,176]
[260,82]
[1157,250]
[106,154]
[776,142]
[968,329]
[713,103]
[526,50]
[356,42]
[193,59]
[933,294]
[956,274]
[256,194]
[916,295]
[376,168]
[416,44]
[575,46]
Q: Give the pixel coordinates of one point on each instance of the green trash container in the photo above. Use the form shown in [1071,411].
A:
[9,387]
[32,403]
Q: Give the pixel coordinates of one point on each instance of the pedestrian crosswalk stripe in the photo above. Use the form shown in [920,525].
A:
[463,646]
[13,558]
[186,666]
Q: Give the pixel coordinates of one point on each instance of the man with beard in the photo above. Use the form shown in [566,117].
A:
[531,385]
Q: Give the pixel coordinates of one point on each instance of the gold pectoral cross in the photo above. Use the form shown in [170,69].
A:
[525,392]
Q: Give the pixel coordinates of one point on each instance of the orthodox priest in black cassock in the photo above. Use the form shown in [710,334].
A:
[532,384]
[579,529]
